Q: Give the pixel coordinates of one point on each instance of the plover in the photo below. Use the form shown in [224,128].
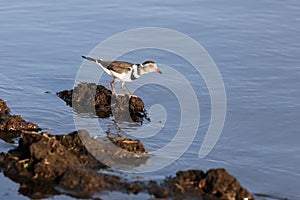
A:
[124,71]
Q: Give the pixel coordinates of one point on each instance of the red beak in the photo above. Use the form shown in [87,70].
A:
[157,70]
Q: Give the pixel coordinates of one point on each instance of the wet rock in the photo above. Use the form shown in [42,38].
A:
[17,123]
[73,144]
[49,161]
[9,136]
[116,150]
[98,100]
[128,109]
[129,145]
[222,185]
[4,109]
[195,184]
[47,165]
[12,125]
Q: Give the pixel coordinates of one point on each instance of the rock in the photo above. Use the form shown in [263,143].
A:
[4,109]
[12,125]
[99,101]
[129,145]
[47,165]
[47,160]
[222,185]
[195,184]
[43,160]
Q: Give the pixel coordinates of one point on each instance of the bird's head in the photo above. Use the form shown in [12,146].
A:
[150,66]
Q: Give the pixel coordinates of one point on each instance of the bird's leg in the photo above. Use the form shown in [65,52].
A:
[130,95]
[113,87]
[122,87]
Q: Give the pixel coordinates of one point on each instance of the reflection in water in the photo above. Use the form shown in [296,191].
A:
[255,45]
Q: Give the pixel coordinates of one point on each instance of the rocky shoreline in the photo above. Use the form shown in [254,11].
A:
[46,165]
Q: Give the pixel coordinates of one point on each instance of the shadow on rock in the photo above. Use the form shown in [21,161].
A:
[97,100]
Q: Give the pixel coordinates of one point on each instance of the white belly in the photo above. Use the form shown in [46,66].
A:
[124,77]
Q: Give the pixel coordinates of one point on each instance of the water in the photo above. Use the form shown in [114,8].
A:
[255,45]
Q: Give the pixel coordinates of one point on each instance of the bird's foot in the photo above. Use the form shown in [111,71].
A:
[131,95]
[119,95]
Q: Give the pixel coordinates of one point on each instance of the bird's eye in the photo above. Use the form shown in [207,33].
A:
[129,69]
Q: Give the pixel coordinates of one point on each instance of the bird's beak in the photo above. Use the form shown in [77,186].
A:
[157,70]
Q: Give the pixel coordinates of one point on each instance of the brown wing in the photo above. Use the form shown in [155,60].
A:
[117,66]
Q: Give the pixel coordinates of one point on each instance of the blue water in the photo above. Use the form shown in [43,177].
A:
[255,45]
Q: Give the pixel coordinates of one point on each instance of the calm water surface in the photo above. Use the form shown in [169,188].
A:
[255,45]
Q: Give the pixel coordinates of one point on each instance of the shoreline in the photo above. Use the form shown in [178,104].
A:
[43,162]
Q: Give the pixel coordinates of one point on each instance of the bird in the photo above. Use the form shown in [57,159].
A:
[124,71]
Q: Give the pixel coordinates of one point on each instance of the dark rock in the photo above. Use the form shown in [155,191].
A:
[221,184]
[115,151]
[47,165]
[195,184]
[99,101]
[4,109]
[9,136]
[12,125]
[47,160]
[17,123]
[43,161]
[129,145]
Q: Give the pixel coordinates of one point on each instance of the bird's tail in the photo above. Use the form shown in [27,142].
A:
[90,59]
[98,62]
